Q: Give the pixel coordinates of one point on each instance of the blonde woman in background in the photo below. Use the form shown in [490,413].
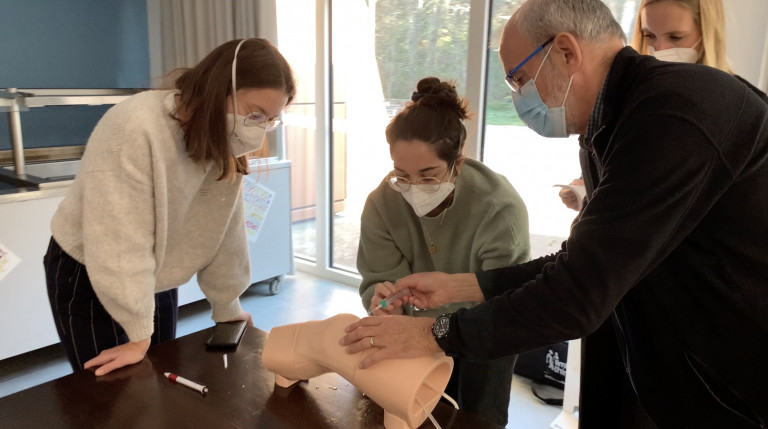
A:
[690,31]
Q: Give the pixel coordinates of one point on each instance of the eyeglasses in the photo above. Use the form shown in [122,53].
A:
[515,82]
[425,184]
[256,119]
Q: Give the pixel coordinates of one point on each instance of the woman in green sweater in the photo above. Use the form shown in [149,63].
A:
[439,211]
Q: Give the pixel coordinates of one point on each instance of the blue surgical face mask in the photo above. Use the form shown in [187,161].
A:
[546,121]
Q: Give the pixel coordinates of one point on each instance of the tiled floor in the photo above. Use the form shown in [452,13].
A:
[302,297]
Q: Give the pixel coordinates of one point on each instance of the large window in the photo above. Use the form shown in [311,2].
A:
[379,50]
[357,62]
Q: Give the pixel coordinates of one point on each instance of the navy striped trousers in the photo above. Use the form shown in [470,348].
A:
[84,326]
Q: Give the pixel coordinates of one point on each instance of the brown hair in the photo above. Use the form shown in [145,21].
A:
[204,90]
[434,116]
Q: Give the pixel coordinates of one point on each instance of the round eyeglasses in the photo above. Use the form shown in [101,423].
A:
[425,184]
[256,119]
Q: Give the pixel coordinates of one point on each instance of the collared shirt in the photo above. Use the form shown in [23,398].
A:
[596,118]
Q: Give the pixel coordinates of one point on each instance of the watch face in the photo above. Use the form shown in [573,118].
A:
[440,328]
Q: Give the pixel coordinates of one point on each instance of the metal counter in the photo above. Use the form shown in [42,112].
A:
[42,180]
[52,179]
[24,195]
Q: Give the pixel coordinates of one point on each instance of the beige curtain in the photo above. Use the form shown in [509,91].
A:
[190,29]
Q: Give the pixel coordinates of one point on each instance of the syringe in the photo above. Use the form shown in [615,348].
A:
[385,302]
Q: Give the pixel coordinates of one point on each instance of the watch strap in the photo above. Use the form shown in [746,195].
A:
[442,341]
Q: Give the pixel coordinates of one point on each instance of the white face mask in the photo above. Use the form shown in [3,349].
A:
[244,139]
[424,202]
[677,55]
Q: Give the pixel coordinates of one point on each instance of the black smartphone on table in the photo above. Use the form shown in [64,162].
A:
[226,334]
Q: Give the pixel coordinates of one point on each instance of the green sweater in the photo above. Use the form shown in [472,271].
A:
[485,227]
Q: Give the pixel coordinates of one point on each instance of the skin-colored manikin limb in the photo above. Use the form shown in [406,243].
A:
[407,389]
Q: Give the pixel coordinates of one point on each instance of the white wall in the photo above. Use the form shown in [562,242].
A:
[746,28]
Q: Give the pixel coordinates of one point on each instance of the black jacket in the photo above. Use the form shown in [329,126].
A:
[665,274]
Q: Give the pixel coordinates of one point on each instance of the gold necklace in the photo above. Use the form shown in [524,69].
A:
[433,243]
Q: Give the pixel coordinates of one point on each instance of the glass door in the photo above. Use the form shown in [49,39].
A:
[357,62]
[380,50]
[296,41]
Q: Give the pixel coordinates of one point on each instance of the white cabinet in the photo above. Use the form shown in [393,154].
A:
[26,322]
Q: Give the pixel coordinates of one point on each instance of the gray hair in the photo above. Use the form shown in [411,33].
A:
[589,20]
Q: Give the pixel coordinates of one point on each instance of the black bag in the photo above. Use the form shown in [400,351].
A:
[545,366]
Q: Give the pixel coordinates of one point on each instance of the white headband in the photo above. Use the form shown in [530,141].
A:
[234,69]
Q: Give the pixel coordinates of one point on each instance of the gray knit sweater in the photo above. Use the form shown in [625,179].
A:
[144,218]
[485,227]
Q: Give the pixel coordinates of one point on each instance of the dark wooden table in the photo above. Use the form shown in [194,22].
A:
[241,396]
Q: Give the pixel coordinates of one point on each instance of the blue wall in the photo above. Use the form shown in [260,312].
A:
[70,44]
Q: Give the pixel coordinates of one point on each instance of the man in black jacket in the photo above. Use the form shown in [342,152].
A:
[665,274]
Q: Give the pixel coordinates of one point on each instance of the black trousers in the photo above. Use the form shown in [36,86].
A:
[84,326]
[483,387]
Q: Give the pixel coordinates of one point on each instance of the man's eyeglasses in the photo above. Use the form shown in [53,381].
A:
[515,82]
[256,119]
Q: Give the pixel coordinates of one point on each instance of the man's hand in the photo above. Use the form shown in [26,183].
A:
[432,290]
[118,357]
[394,337]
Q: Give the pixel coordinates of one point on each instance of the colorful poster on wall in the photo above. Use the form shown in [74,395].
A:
[8,261]
[257,198]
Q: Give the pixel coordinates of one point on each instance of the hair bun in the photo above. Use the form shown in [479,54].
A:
[432,92]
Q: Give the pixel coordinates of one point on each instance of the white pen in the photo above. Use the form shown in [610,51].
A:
[225,361]
[189,383]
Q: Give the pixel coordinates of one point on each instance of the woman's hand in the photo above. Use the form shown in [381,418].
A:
[118,357]
[381,292]
[570,199]
[244,315]
[394,337]
[435,289]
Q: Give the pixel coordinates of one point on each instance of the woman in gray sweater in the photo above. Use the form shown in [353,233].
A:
[439,211]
